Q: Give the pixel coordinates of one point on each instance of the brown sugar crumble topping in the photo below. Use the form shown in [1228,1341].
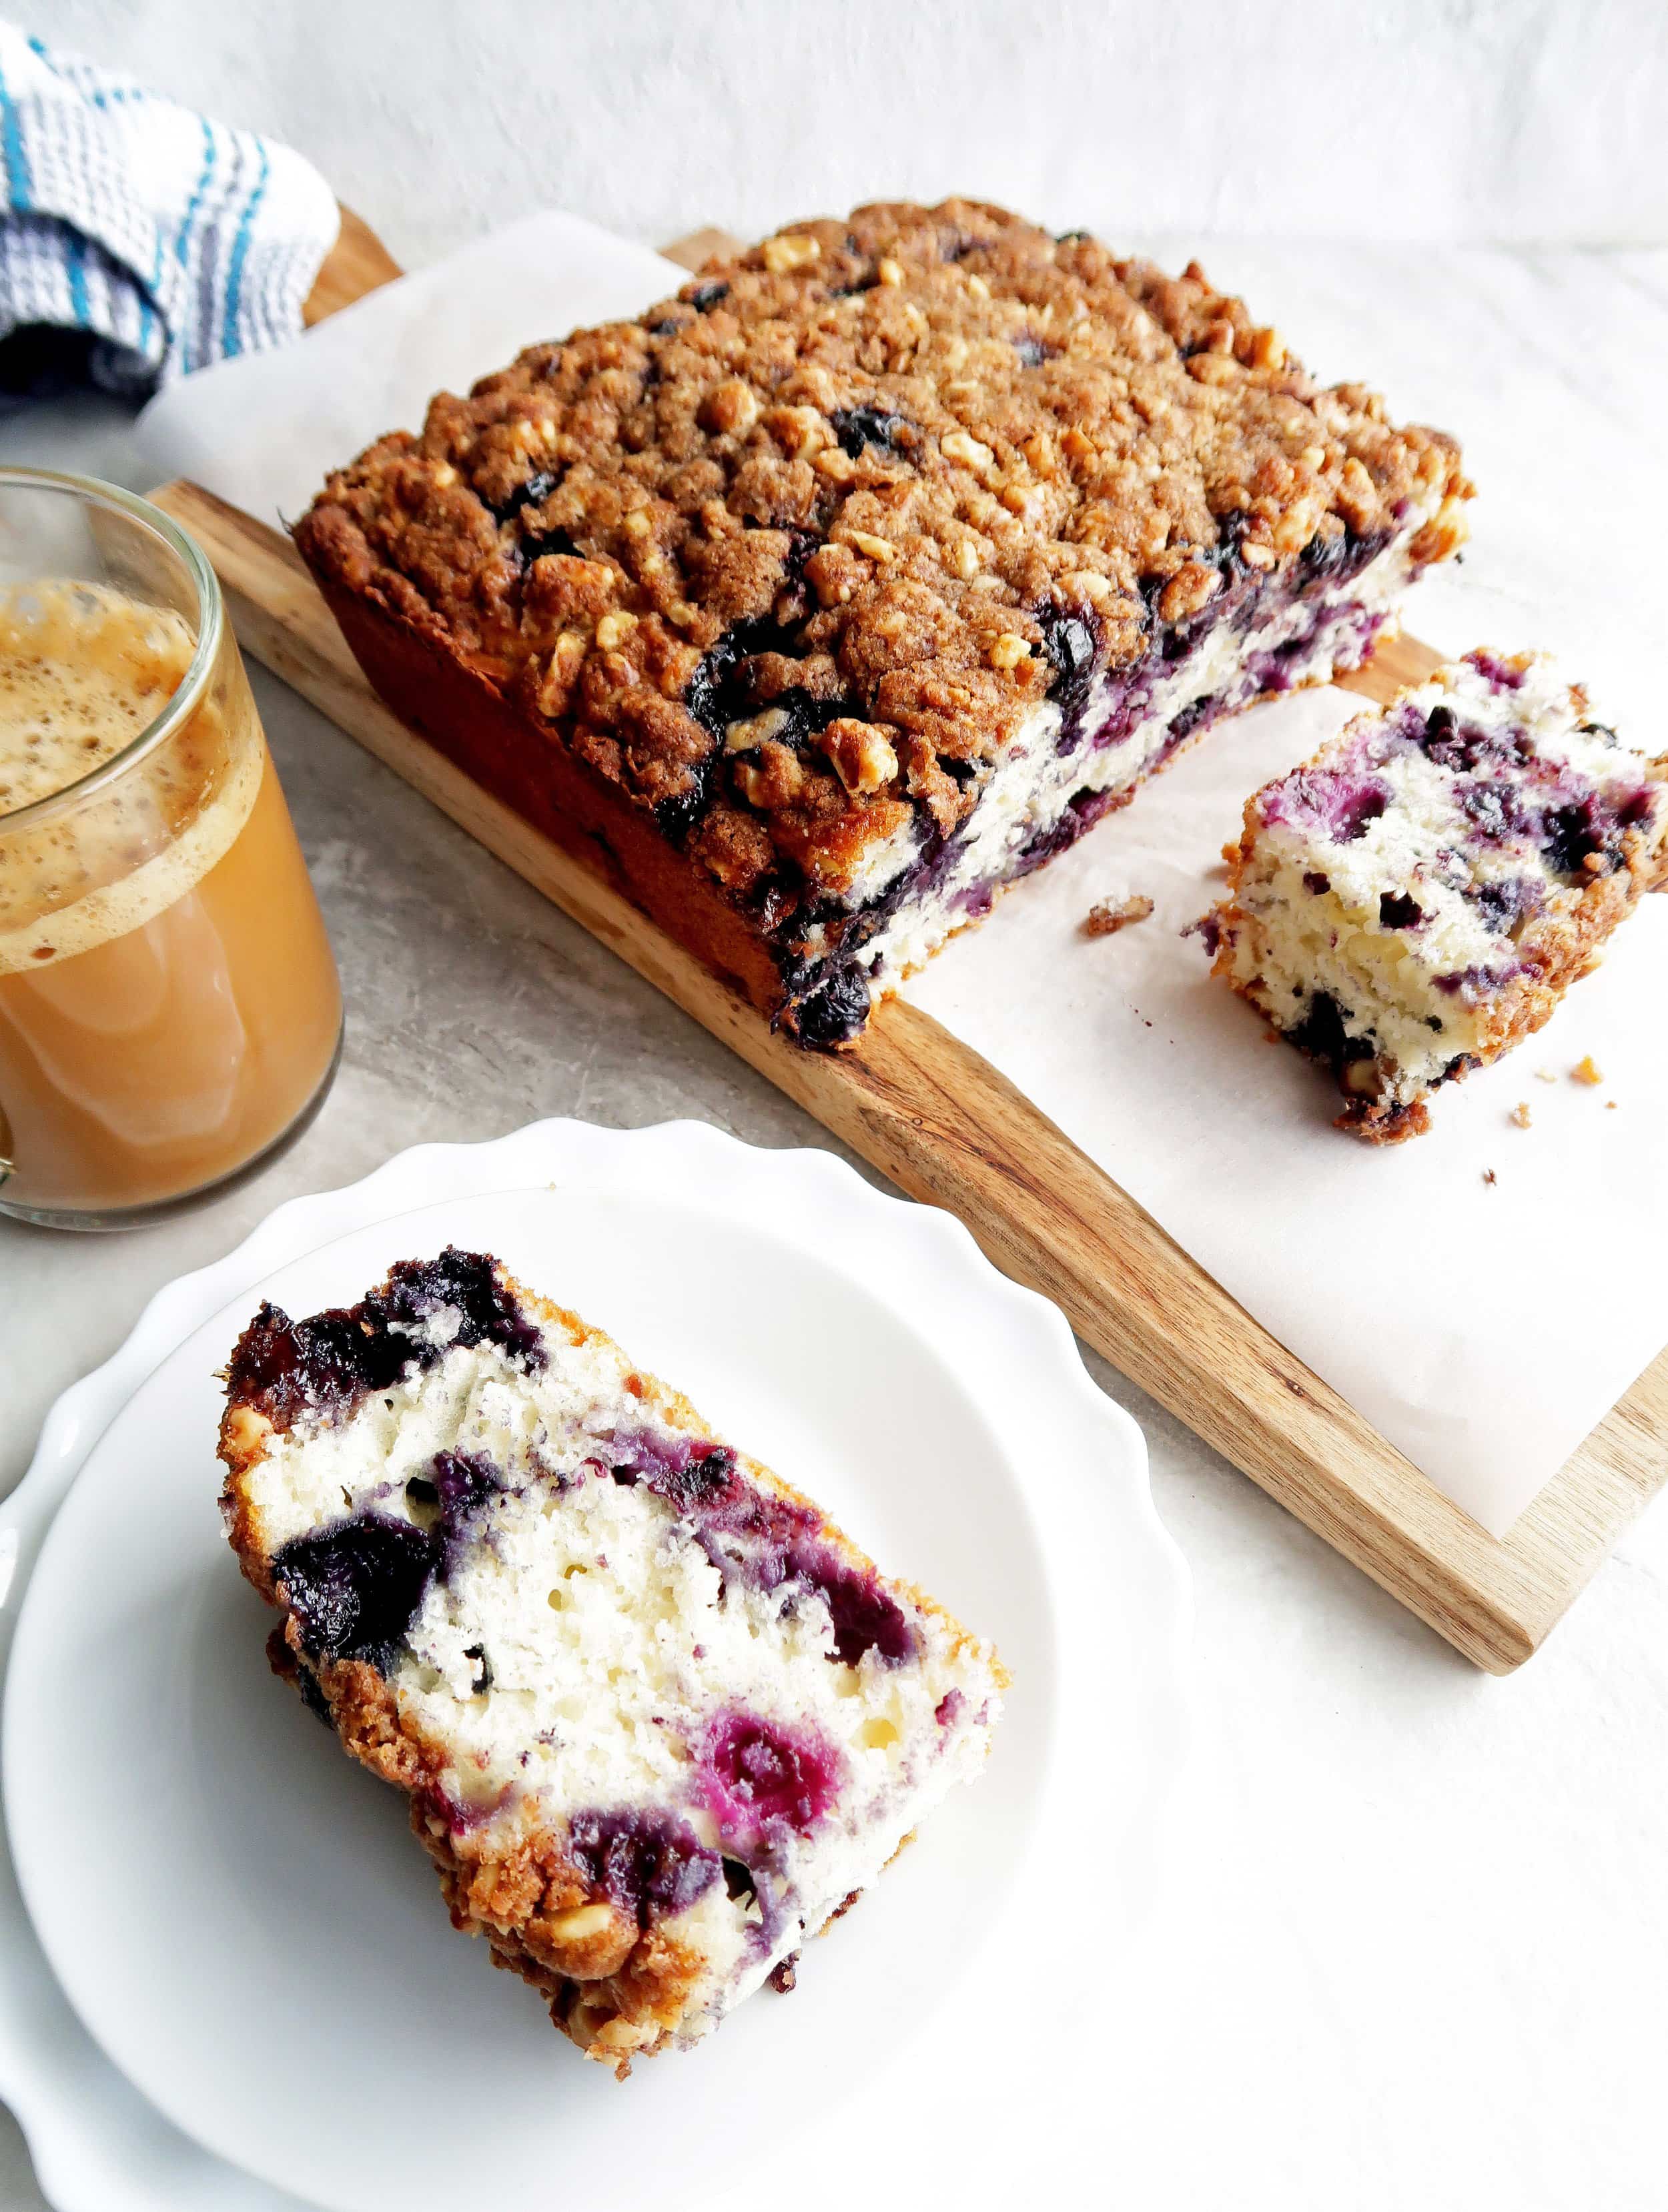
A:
[790,559]
[1108,916]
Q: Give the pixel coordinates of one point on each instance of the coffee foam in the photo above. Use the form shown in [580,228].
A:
[83,670]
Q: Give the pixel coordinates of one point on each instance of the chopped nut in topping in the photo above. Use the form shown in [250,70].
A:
[790,250]
[960,446]
[758,730]
[614,629]
[862,756]
[582,1922]
[1008,650]
[729,408]
[1192,588]
[1108,916]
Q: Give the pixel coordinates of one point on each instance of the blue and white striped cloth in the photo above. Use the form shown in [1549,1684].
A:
[165,241]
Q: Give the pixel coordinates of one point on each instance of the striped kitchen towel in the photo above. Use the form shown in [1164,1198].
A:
[138,240]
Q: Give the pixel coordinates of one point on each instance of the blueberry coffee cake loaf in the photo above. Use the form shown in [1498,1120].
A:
[1418,897]
[658,1719]
[859,580]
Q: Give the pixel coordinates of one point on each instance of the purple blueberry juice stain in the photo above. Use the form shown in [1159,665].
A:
[948,1709]
[1081,812]
[1504,903]
[688,1472]
[1481,981]
[646,1863]
[762,1541]
[754,1774]
[1339,803]
[1498,673]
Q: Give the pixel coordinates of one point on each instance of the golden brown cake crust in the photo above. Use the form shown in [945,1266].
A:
[877,453]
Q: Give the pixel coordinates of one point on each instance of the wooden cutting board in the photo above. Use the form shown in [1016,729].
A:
[947,1127]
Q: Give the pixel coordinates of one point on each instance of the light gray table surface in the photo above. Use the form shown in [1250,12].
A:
[1413,1946]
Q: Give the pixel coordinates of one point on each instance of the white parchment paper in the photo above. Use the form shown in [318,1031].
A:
[1482,1294]
[265,431]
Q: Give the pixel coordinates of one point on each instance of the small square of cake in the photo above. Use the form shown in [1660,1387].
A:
[828,599]
[1417,897]
[658,1719]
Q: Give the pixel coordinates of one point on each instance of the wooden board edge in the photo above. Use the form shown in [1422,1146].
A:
[700,246]
[358,263]
[949,1129]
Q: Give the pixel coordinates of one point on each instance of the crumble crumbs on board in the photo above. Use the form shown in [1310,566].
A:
[1108,916]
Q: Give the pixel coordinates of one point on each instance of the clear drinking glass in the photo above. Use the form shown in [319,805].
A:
[169,1008]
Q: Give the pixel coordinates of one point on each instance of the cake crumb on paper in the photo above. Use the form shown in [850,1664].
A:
[1520,1115]
[1587,1071]
[1489,1176]
[1109,915]
[1546,1075]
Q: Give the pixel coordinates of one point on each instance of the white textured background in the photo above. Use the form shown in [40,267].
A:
[1413,1952]
[1490,120]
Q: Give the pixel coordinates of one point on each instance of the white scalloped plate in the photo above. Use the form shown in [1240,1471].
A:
[247,1937]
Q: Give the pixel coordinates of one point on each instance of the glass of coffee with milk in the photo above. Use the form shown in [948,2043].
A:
[169,1009]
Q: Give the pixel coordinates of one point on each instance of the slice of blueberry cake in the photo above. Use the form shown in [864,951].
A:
[658,1719]
[856,581]
[1417,897]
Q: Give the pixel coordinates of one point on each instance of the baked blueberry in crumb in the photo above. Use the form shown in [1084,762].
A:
[648,1864]
[323,1364]
[756,1772]
[857,427]
[355,1588]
